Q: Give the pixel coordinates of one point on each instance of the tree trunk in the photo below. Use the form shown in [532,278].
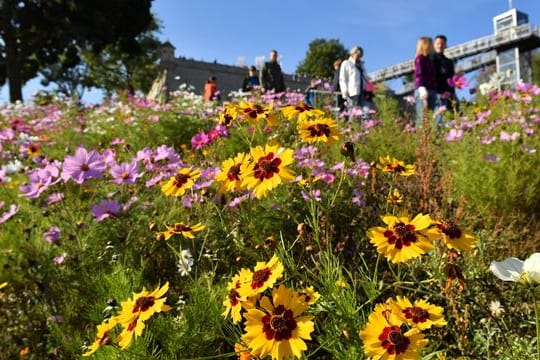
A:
[13,60]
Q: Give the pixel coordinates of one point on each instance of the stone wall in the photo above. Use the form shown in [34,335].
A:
[229,78]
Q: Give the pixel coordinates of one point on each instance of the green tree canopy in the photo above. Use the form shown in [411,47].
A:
[35,34]
[320,57]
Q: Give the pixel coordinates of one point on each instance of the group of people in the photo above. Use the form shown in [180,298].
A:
[432,70]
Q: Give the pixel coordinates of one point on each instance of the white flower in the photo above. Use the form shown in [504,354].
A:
[513,269]
[495,308]
[185,263]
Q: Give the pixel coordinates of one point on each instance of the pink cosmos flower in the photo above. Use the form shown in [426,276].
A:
[84,165]
[105,209]
[458,82]
[125,173]
[454,135]
[13,209]
[52,236]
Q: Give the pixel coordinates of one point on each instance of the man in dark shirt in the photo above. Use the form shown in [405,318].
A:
[445,71]
[271,77]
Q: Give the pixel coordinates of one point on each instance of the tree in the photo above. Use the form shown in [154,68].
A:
[113,69]
[320,57]
[36,33]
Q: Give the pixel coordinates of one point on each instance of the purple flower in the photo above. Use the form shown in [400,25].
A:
[84,165]
[492,158]
[199,140]
[13,209]
[105,209]
[454,135]
[504,136]
[40,180]
[125,173]
[58,260]
[54,198]
[358,197]
[52,235]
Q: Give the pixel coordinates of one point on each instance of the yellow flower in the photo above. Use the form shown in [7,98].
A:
[179,183]
[309,295]
[421,314]
[102,337]
[252,112]
[3,285]
[242,352]
[228,114]
[278,330]
[139,309]
[263,277]
[230,176]
[389,164]
[453,236]
[395,197]
[303,111]
[384,338]
[182,229]
[319,130]
[403,239]
[234,301]
[267,169]
[24,352]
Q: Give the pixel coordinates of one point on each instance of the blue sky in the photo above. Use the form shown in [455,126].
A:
[387,29]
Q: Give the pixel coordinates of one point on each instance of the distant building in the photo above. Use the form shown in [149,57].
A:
[195,73]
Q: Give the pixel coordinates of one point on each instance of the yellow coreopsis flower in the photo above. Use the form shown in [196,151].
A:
[181,229]
[179,183]
[253,113]
[303,111]
[403,239]
[267,169]
[234,301]
[390,164]
[309,295]
[421,314]
[453,236]
[139,309]
[279,329]
[384,338]
[228,114]
[263,277]
[395,197]
[230,176]
[319,130]
[102,337]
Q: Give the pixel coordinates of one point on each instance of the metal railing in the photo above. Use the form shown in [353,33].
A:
[483,44]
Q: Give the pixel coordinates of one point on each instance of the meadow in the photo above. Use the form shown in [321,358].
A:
[261,227]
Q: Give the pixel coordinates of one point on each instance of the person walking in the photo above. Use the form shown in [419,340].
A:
[340,102]
[350,77]
[425,79]
[445,72]
[271,77]
[210,89]
[251,80]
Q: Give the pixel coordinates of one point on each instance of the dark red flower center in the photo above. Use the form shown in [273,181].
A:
[319,130]
[234,172]
[179,227]
[254,111]
[451,229]
[180,179]
[233,297]
[85,167]
[279,325]
[260,277]
[416,314]
[144,303]
[401,235]
[393,340]
[266,167]
[302,107]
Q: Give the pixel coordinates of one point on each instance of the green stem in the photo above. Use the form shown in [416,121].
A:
[537,318]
